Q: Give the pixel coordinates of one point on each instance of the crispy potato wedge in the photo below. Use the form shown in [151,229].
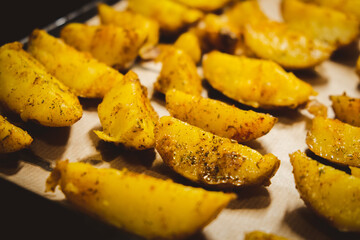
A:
[258,235]
[285,46]
[204,5]
[209,159]
[12,138]
[29,90]
[355,171]
[127,116]
[178,72]
[171,16]
[217,117]
[326,24]
[147,28]
[86,76]
[150,207]
[331,193]
[117,47]
[255,82]
[347,109]
[335,141]
[189,43]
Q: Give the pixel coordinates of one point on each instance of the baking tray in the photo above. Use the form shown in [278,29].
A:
[277,208]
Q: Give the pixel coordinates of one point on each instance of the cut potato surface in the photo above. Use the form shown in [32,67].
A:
[347,109]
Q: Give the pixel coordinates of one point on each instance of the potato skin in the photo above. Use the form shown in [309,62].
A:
[140,204]
[189,43]
[85,76]
[209,159]
[117,47]
[29,90]
[217,117]
[12,138]
[258,235]
[335,141]
[331,193]
[127,116]
[255,82]
[347,109]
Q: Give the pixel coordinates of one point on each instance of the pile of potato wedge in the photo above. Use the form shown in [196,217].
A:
[244,55]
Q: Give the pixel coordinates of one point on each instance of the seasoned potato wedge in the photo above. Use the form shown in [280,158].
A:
[255,82]
[329,25]
[347,109]
[147,28]
[209,159]
[189,43]
[171,16]
[289,48]
[127,116]
[331,193]
[12,138]
[117,47]
[335,141]
[217,117]
[86,76]
[258,235]
[178,72]
[150,207]
[204,5]
[29,90]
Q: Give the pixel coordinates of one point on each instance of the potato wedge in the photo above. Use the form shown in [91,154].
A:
[204,5]
[255,82]
[331,193]
[285,46]
[115,46]
[189,43]
[258,235]
[347,109]
[172,17]
[326,24]
[127,116]
[12,138]
[29,90]
[178,72]
[209,159]
[335,141]
[217,117]
[150,207]
[86,76]
[146,27]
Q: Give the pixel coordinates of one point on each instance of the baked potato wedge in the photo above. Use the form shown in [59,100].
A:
[115,46]
[211,160]
[190,44]
[204,5]
[335,141]
[27,89]
[347,109]
[86,76]
[172,17]
[150,207]
[147,28]
[12,138]
[127,116]
[326,24]
[217,117]
[285,46]
[178,71]
[255,82]
[331,193]
[258,235]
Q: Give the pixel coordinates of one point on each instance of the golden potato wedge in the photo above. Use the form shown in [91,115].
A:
[171,16]
[29,90]
[255,82]
[355,171]
[146,27]
[335,141]
[189,43]
[347,109]
[178,72]
[86,76]
[217,117]
[12,138]
[285,46]
[331,193]
[117,47]
[258,235]
[209,159]
[326,24]
[204,5]
[150,207]
[127,116]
